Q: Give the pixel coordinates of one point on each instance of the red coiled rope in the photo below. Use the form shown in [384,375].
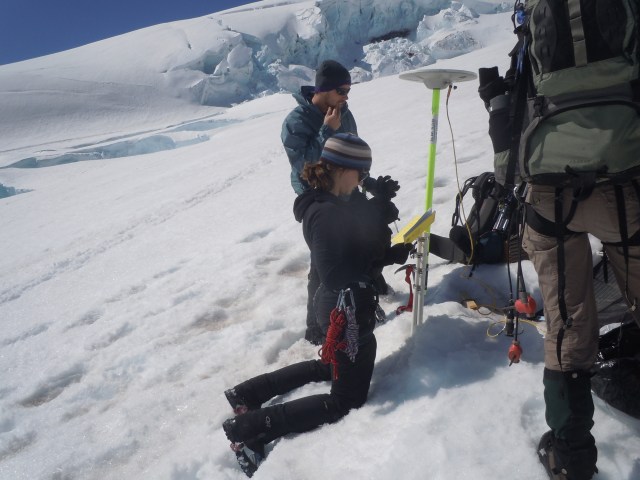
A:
[334,340]
[342,333]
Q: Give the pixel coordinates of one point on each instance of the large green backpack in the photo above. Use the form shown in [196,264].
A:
[579,60]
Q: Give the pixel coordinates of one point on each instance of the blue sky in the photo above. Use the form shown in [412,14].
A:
[32,28]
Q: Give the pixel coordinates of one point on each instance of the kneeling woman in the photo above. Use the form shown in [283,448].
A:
[349,238]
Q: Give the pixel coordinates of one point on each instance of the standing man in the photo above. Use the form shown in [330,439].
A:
[580,155]
[322,112]
[570,127]
[564,268]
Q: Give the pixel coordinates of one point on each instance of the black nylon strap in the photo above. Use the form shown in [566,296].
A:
[634,240]
[624,234]
[541,225]
[523,80]
[622,221]
[517,113]
[559,339]
[560,230]
[636,187]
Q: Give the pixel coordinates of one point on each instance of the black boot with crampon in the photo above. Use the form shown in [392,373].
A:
[249,454]
[563,466]
[545,454]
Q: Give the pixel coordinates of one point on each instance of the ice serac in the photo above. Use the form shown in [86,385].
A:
[371,37]
[223,59]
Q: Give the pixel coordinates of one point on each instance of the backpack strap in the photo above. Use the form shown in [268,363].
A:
[577,33]
[522,78]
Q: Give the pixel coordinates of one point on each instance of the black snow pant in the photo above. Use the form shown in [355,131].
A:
[314,333]
[348,391]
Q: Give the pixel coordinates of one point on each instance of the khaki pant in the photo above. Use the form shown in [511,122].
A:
[598,216]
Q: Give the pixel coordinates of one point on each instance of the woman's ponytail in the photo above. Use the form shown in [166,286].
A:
[318,175]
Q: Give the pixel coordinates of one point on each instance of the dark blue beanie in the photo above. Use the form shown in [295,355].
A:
[330,75]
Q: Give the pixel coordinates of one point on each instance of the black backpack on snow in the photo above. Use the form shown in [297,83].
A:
[489,234]
[616,378]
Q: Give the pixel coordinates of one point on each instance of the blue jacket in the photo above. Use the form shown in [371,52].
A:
[304,134]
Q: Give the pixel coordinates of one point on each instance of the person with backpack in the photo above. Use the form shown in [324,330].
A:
[322,111]
[349,238]
[566,120]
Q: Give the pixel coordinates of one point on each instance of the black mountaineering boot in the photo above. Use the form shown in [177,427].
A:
[249,453]
[545,454]
[238,403]
[230,430]
[251,431]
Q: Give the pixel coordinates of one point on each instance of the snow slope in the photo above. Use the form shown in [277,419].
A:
[152,261]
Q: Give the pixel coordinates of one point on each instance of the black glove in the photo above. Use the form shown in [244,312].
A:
[398,253]
[387,209]
[491,84]
[385,187]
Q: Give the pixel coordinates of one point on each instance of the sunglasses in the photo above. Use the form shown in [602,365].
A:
[362,175]
[343,91]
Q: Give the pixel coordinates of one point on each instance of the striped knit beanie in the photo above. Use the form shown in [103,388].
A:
[347,150]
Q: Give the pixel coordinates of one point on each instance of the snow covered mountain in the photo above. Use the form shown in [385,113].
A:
[151,259]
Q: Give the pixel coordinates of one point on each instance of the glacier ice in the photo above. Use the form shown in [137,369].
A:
[372,38]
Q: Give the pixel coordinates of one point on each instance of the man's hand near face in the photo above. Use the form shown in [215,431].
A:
[332,117]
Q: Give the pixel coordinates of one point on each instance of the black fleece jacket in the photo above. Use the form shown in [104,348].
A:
[348,237]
